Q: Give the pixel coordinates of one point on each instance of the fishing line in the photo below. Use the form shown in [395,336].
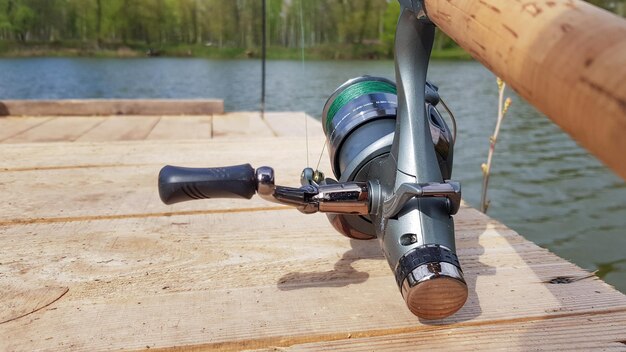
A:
[445,106]
[264,57]
[306,123]
[354,91]
[320,159]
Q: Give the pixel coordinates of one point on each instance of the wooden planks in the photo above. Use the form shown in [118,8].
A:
[189,127]
[92,260]
[121,177]
[241,124]
[57,129]
[10,127]
[119,128]
[290,124]
[599,332]
[104,107]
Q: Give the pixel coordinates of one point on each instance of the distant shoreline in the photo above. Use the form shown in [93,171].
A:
[334,52]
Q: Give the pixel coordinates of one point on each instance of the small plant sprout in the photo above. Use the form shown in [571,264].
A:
[503,107]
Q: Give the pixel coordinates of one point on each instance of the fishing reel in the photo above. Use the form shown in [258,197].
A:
[391,153]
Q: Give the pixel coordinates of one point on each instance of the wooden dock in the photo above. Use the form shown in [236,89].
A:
[91,259]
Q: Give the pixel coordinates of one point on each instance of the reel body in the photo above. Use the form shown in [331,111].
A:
[359,121]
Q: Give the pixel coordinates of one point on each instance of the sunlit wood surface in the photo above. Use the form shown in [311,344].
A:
[91,259]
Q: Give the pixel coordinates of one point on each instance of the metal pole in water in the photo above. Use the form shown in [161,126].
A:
[263,55]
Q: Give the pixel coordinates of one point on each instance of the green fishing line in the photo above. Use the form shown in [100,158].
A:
[354,91]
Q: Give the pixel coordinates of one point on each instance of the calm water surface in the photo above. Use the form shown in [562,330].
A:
[543,184]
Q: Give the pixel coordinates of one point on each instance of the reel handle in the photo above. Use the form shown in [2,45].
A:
[180,184]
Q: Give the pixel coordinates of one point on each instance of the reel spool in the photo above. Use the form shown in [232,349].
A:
[359,121]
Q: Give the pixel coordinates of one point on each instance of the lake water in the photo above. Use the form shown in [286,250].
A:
[543,185]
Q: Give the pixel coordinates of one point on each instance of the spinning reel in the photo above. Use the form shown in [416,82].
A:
[391,153]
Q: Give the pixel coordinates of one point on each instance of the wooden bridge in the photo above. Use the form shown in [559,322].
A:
[91,259]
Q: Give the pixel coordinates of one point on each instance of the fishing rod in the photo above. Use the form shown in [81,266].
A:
[391,153]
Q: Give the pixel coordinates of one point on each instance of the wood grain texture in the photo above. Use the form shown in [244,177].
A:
[25,298]
[121,177]
[56,129]
[121,128]
[189,127]
[566,333]
[91,260]
[290,124]
[103,107]
[565,57]
[210,282]
[241,124]
[12,126]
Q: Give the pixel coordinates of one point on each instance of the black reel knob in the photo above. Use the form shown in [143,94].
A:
[180,184]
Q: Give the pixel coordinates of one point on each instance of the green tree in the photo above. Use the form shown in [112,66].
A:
[359,25]
[20,18]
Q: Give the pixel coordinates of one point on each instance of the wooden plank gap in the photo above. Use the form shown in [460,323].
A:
[27,129]
[58,129]
[152,127]
[117,128]
[89,129]
[70,167]
[138,215]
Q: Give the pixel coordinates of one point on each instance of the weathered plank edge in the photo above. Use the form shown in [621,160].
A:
[100,107]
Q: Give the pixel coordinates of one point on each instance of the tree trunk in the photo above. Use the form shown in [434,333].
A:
[194,22]
[98,23]
[366,12]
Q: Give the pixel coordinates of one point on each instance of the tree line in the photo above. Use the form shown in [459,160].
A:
[234,23]
[219,23]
